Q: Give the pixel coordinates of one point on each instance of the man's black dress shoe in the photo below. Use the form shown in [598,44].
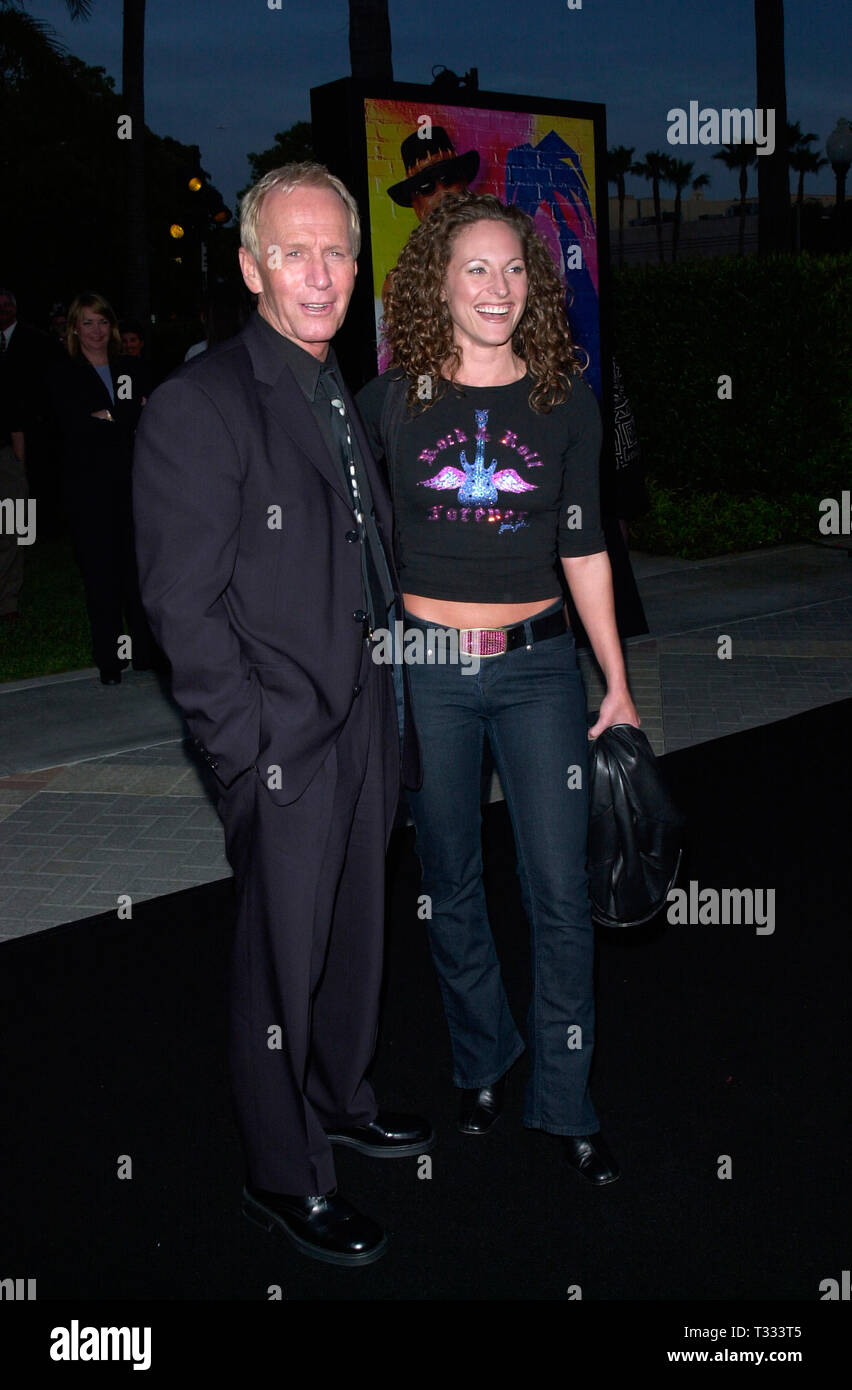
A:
[589,1156]
[110,677]
[480,1110]
[388,1136]
[325,1228]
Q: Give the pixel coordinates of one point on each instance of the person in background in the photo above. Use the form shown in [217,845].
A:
[226,311]
[19,343]
[97,397]
[132,338]
[57,325]
[492,441]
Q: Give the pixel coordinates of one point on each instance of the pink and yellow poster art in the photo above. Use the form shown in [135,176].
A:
[544,164]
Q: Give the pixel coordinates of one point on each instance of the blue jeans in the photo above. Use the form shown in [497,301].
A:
[531,704]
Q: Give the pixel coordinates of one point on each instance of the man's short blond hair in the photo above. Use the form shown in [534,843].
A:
[286,178]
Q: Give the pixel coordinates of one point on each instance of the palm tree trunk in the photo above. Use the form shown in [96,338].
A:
[658,217]
[621,197]
[773,177]
[743,191]
[676,226]
[137,297]
[370,40]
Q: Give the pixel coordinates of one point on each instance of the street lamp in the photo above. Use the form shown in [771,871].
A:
[838,147]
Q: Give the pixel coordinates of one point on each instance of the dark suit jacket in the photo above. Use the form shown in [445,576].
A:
[23,367]
[27,356]
[76,391]
[253,605]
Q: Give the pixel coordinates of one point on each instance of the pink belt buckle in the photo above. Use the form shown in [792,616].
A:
[482,641]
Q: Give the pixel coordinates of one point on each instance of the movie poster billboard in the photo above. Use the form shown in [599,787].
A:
[398,148]
[542,163]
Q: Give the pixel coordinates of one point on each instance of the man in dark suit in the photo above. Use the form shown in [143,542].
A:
[263,537]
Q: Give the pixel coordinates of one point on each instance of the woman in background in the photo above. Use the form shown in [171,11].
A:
[97,396]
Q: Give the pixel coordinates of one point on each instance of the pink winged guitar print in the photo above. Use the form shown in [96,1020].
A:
[476,483]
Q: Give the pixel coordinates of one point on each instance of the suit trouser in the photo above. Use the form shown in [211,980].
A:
[308,945]
[13,484]
[101,525]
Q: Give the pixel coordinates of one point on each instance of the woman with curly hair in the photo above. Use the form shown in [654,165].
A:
[492,441]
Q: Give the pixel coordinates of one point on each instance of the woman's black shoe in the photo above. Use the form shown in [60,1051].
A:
[111,676]
[589,1156]
[480,1110]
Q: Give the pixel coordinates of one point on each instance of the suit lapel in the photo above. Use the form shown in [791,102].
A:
[96,383]
[284,399]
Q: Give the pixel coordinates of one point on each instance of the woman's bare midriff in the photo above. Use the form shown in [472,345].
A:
[446,614]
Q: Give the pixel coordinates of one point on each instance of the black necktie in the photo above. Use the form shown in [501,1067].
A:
[373,563]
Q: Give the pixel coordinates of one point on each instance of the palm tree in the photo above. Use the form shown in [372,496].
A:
[800,158]
[773,175]
[619,163]
[28,48]
[133,93]
[680,173]
[739,156]
[656,167]
[25,40]
[77,9]
[27,44]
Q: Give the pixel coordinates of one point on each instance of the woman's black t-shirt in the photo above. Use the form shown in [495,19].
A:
[488,492]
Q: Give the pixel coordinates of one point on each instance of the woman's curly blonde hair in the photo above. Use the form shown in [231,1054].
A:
[419,331]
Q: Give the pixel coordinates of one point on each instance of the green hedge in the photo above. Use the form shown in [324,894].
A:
[696,525]
[730,474]
[52,632]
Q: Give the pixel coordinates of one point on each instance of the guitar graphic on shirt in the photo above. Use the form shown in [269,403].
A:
[478,485]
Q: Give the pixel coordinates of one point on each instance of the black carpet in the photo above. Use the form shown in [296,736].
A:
[712,1041]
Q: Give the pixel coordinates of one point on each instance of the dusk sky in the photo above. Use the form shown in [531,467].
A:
[227,74]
